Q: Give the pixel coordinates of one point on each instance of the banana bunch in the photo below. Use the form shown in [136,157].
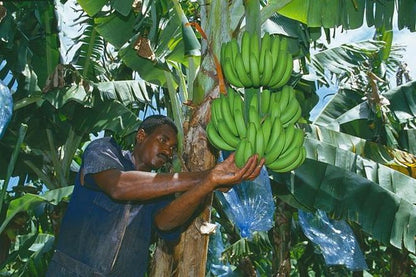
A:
[257,62]
[266,128]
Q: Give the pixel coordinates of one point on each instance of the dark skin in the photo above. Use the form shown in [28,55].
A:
[151,152]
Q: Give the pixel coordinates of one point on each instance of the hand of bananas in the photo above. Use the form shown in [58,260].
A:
[257,62]
[268,129]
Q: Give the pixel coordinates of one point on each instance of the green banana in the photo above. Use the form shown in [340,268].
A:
[276,149]
[216,140]
[253,112]
[230,74]
[264,48]
[289,135]
[235,50]
[297,140]
[254,70]
[287,74]
[275,49]
[239,153]
[290,111]
[227,115]
[214,116]
[295,118]
[285,160]
[231,93]
[267,129]
[251,134]
[255,45]
[279,69]
[299,161]
[268,69]
[248,151]
[222,52]
[245,50]
[284,44]
[259,146]
[265,101]
[274,109]
[275,133]
[241,72]
[284,99]
[239,117]
[225,132]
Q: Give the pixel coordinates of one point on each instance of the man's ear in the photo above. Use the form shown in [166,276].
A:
[140,136]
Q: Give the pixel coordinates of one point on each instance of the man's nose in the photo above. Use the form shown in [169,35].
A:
[168,150]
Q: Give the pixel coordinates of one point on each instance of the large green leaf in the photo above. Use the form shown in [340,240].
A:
[396,182]
[127,92]
[350,14]
[104,115]
[192,45]
[345,60]
[338,108]
[148,70]
[115,28]
[92,6]
[403,101]
[29,39]
[367,149]
[347,182]
[30,201]
[383,214]
[122,6]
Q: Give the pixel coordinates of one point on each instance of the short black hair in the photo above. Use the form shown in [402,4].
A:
[150,123]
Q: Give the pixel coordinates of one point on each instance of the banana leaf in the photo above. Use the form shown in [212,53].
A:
[349,186]
[403,101]
[91,7]
[30,201]
[350,14]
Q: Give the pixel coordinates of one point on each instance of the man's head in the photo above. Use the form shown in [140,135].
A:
[156,141]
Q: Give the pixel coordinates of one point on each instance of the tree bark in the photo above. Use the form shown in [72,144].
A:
[281,238]
[190,255]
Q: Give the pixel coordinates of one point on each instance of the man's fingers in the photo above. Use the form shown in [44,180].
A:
[251,175]
[249,167]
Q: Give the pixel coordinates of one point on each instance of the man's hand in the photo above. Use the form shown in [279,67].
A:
[226,174]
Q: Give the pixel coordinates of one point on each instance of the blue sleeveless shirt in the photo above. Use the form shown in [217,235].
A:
[98,235]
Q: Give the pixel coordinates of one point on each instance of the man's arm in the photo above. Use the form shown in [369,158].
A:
[142,185]
[223,175]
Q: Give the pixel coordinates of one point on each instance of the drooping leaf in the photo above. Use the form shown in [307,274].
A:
[381,212]
[350,14]
[92,6]
[115,28]
[403,101]
[30,201]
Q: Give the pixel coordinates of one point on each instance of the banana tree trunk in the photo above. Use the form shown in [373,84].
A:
[281,238]
[188,258]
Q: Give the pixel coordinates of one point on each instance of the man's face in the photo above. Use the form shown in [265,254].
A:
[157,147]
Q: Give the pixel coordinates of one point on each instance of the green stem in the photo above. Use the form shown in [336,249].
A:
[45,178]
[26,102]
[176,110]
[55,160]
[10,168]
[272,8]
[253,23]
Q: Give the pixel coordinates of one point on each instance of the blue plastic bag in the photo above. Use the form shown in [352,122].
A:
[6,107]
[335,239]
[215,265]
[250,205]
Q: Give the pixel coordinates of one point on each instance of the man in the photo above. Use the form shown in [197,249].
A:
[118,202]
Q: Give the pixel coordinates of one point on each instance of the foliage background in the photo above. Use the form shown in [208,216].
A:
[360,164]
